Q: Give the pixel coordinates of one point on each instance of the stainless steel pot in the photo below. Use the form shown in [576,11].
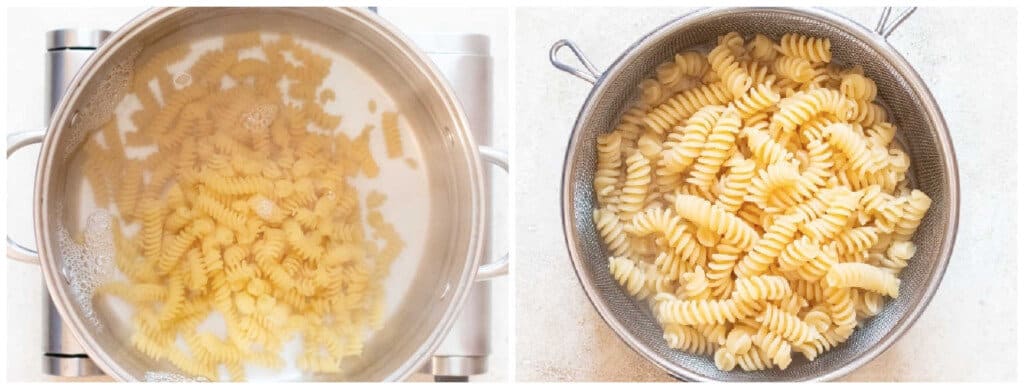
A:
[922,131]
[452,259]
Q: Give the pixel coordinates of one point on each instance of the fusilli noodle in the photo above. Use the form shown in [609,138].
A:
[754,197]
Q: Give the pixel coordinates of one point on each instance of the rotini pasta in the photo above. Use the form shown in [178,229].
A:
[246,211]
[723,62]
[676,234]
[859,275]
[806,47]
[636,186]
[681,106]
[756,199]
[629,275]
[392,136]
[716,150]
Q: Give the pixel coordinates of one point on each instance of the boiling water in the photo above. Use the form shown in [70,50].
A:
[86,237]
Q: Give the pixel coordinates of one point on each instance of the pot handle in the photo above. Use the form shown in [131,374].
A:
[590,75]
[15,142]
[885,26]
[500,267]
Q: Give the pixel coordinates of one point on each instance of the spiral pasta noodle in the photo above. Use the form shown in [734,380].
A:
[688,340]
[625,271]
[636,186]
[761,49]
[681,242]
[859,275]
[716,150]
[684,147]
[913,212]
[701,212]
[610,229]
[768,209]
[735,182]
[795,69]
[679,107]
[759,288]
[802,46]
[245,212]
[802,106]
[756,100]
[724,63]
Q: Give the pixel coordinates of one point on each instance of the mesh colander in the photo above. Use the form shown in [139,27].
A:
[911,106]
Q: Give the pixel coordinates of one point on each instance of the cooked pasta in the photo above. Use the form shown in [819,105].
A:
[636,185]
[724,63]
[810,48]
[679,107]
[754,197]
[248,210]
[860,275]
[761,49]
[392,136]
[680,241]
[716,150]
[794,69]
[629,275]
[688,339]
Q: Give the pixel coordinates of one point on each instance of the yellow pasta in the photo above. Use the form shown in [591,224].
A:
[245,213]
[754,197]
[810,48]
[392,136]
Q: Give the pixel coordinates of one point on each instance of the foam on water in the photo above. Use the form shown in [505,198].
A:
[264,208]
[100,104]
[260,117]
[89,264]
[160,376]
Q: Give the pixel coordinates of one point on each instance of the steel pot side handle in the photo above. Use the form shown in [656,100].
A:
[15,142]
[500,267]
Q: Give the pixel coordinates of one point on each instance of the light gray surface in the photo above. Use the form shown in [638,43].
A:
[559,335]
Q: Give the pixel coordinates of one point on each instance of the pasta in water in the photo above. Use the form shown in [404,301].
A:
[755,198]
[247,212]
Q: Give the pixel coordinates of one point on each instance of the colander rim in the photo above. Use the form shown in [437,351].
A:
[877,42]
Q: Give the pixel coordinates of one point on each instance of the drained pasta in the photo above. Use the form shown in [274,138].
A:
[763,208]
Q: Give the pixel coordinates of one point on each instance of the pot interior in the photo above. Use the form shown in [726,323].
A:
[919,126]
[432,190]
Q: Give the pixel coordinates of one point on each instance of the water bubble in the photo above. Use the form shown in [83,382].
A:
[182,80]
[160,376]
[264,208]
[98,104]
[260,116]
[88,265]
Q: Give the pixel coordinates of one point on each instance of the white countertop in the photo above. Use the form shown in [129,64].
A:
[966,56]
[25,45]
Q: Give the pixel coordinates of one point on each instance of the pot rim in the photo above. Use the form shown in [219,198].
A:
[869,37]
[400,44]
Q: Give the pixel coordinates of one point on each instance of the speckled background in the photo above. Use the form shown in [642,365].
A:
[968,59]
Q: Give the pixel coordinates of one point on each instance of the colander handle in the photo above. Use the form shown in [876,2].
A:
[887,24]
[15,142]
[590,75]
[500,267]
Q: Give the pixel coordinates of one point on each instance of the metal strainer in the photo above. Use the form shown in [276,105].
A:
[922,131]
